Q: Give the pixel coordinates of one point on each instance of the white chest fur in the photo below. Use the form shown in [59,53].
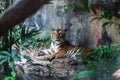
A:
[54,47]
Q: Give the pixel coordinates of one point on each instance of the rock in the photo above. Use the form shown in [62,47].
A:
[113,31]
[56,70]
[54,16]
[116,75]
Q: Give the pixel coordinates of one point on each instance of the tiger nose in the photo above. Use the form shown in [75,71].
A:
[57,37]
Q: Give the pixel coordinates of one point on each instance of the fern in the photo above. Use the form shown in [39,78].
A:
[46,40]
[84,74]
[85,3]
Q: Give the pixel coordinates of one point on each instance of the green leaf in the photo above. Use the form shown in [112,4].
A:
[14,53]
[48,43]
[2,56]
[106,13]
[93,8]
[9,78]
[11,64]
[111,14]
[5,53]
[17,58]
[85,74]
[106,23]
[13,73]
[69,7]
[3,60]
[85,3]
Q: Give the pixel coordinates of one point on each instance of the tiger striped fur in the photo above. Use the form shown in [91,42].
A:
[60,47]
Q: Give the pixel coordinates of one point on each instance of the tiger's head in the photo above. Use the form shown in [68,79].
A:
[58,35]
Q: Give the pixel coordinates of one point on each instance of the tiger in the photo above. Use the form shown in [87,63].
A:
[61,47]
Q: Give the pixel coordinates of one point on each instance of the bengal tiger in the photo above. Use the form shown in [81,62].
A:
[60,47]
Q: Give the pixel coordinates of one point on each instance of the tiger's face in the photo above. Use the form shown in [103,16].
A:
[58,35]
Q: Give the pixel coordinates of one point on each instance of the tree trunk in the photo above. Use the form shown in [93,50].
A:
[18,12]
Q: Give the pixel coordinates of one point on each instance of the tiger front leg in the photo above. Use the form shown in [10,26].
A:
[45,57]
[54,55]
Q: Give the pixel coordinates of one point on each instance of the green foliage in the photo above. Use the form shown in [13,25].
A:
[25,36]
[4,4]
[87,7]
[84,74]
[19,36]
[68,7]
[109,23]
[107,14]
[105,53]
[13,74]
[85,3]
[1,6]
[99,62]
[9,57]
[84,7]
[92,8]
[12,77]
[45,40]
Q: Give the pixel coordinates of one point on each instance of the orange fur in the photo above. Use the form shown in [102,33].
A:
[61,46]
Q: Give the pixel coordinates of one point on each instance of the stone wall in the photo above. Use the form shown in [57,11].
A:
[54,16]
[80,30]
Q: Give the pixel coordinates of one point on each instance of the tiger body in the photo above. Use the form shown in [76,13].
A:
[60,47]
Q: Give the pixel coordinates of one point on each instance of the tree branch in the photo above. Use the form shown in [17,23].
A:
[18,12]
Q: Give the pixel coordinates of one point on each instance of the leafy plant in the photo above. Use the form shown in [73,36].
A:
[12,77]
[105,53]
[85,3]
[99,62]
[9,57]
[24,35]
[107,14]
[111,23]
[45,40]
[18,36]
[85,6]
[85,73]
